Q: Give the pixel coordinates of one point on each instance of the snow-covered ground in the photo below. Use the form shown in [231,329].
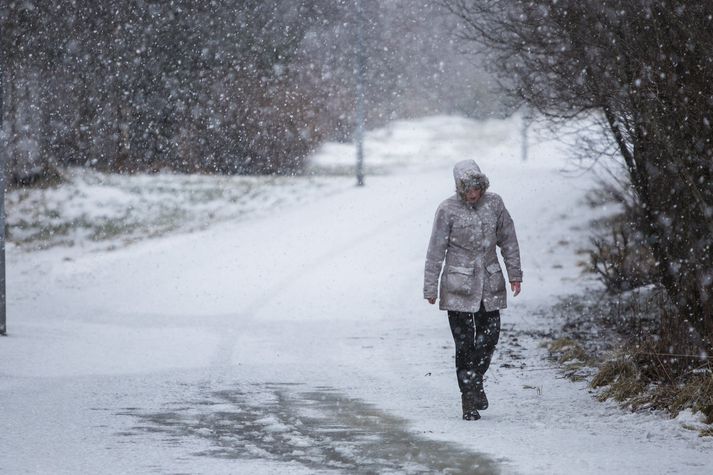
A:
[95,211]
[294,338]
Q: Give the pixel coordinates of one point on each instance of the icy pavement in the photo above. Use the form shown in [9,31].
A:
[318,429]
[297,341]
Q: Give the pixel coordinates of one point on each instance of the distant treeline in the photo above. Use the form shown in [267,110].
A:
[241,86]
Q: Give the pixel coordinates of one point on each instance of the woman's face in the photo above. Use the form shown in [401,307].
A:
[473,195]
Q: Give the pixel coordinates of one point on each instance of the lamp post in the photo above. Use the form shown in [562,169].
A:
[359,113]
[3,327]
[525,124]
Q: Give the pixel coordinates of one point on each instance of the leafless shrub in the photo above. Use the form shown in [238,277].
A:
[621,259]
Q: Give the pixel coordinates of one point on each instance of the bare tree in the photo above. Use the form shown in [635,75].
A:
[644,67]
[130,85]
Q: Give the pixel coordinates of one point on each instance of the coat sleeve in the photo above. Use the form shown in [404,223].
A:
[436,253]
[509,248]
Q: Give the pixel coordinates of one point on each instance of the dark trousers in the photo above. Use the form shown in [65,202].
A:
[475,336]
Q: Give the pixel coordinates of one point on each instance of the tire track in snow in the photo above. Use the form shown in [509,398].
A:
[226,346]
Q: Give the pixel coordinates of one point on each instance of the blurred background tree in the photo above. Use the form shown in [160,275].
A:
[218,86]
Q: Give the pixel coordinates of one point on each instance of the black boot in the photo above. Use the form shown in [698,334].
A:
[480,400]
[470,412]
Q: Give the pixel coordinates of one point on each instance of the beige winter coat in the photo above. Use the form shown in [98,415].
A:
[466,237]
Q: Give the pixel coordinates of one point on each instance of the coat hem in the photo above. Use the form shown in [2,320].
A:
[470,310]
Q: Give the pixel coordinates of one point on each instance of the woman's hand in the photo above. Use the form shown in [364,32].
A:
[515,286]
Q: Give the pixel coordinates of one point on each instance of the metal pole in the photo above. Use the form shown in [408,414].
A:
[3,327]
[524,126]
[359,72]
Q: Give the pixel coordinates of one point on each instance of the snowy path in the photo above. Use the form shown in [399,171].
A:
[299,342]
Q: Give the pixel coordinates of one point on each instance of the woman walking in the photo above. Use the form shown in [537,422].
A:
[466,231]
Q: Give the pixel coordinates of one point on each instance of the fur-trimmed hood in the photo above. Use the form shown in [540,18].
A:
[467,175]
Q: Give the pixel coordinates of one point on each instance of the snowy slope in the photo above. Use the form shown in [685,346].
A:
[297,340]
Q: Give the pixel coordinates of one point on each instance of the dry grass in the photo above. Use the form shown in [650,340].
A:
[639,379]
[566,350]
[697,394]
[627,348]
[614,370]
[622,379]
[574,358]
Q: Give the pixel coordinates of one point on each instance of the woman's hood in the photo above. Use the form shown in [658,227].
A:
[467,175]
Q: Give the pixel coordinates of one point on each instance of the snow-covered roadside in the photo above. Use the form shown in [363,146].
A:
[92,211]
[240,337]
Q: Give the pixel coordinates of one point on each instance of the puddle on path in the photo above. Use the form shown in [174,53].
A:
[320,429]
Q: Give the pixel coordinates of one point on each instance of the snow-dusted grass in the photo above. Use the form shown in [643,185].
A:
[610,341]
[96,210]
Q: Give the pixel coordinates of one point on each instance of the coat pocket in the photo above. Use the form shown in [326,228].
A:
[460,280]
[496,279]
